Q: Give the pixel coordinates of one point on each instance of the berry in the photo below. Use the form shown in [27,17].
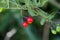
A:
[29,20]
[25,24]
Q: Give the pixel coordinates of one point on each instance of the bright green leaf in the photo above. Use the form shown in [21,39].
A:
[1,9]
[42,21]
[53,31]
[58,28]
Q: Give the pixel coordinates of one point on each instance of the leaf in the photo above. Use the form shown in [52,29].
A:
[52,15]
[53,32]
[27,2]
[14,5]
[39,3]
[4,4]
[35,2]
[31,12]
[1,9]
[42,21]
[42,13]
[43,2]
[58,28]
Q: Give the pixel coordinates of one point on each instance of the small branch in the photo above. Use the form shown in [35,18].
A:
[46,31]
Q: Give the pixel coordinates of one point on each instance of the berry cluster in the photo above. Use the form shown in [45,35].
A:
[28,21]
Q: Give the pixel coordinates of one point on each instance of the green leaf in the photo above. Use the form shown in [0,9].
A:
[31,12]
[41,13]
[53,32]
[42,21]
[58,28]
[4,3]
[14,4]
[52,15]
[1,9]
[35,2]
[27,2]
[39,3]
[43,2]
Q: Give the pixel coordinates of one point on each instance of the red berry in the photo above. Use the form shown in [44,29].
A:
[29,20]
[25,24]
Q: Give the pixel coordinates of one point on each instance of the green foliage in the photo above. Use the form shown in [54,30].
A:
[58,28]
[53,32]
[13,11]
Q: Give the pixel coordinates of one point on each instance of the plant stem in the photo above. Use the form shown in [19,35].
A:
[46,31]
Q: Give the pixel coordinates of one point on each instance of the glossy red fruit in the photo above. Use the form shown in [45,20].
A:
[25,24]
[29,20]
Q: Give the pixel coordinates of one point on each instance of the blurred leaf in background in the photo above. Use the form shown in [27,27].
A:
[4,3]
